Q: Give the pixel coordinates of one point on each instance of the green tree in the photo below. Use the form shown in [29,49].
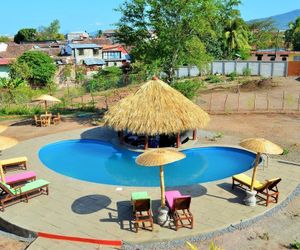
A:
[50,32]
[65,75]
[25,35]
[4,39]
[235,37]
[99,33]
[292,35]
[262,33]
[41,66]
[167,33]
[19,70]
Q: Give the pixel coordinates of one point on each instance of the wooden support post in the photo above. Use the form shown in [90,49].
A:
[210,102]
[238,107]
[283,97]
[195,134]
[146,142]
[178,140]
[268,102]
[225,102]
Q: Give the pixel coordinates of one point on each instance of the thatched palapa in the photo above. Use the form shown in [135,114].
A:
[156,108]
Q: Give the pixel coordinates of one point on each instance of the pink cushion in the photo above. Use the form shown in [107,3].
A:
[19,177]
[170,195]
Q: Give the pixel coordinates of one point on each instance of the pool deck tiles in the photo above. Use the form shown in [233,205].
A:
[84,209]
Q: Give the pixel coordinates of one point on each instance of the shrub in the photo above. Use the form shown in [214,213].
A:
[232,76]
[295,245]
[246,72]
[285,151]
[213,79]
[188,87]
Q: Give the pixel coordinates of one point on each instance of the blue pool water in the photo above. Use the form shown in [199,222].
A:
[101,162]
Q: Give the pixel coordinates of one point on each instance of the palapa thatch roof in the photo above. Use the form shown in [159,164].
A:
[261,145]
[155,108]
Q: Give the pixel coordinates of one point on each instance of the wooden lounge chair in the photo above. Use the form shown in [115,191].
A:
[15,179]
[56,119]
[267,191]
[12,162]
[142,210]
[37,121]
[179,206]
[9,195]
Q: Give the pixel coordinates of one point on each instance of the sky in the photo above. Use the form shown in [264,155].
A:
[93,15]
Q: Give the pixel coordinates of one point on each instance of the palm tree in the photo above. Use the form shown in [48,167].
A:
[235,36]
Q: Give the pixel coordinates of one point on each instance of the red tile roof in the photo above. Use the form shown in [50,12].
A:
[4,61]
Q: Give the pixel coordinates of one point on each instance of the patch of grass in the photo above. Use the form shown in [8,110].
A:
[213,79]
[295,245]
[246,72]
[285,151]
[264,236]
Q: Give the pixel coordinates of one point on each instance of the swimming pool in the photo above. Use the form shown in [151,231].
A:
[102,162]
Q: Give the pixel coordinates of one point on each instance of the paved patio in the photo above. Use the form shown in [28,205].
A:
[84,209]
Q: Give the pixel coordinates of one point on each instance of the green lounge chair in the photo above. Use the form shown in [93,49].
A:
[141,203]
[19,193]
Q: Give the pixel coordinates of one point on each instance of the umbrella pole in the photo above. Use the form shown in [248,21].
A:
[2,174]
[254,170]
[162,187]
[46,107]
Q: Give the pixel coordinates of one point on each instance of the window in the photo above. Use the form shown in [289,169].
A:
[259,57]
[96,52]
[272,57]
[81,52]
[296,58]
[112,55]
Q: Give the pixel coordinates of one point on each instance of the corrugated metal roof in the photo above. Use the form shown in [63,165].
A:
[84,46]
[93,61]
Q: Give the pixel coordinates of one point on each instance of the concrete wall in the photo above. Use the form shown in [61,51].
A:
[4,70]
[259,68]
[87,53]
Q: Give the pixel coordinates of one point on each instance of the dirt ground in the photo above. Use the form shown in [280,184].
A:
[282,129]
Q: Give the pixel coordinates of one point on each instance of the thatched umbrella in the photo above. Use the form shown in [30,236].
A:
[46,99]
[2,128]
[159,157]
[6,142]
[156,108]
[260,145]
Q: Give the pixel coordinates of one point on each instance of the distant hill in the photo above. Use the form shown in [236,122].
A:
[282,20]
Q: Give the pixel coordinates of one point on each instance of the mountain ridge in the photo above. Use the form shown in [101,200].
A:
[281,20]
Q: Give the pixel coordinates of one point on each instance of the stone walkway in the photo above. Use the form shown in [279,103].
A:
[84,209]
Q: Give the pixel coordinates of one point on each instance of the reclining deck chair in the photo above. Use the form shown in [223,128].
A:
[267,191]
[13,162]
[141,203]
[179,206]
[17,194]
